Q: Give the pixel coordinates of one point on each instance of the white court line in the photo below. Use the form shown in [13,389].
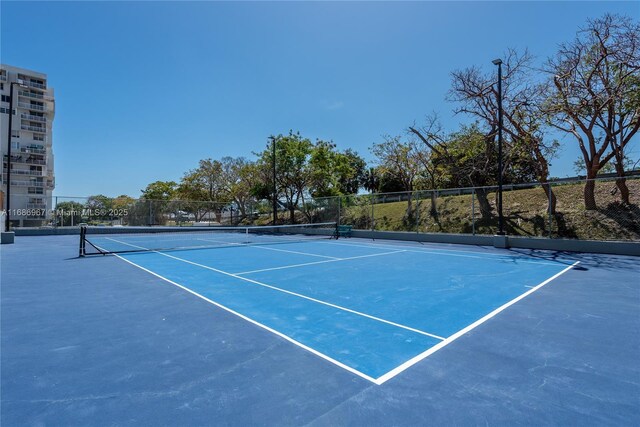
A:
[275,288]
[461,332]
[445,252]
[280,334]
[270,249]
[319,262]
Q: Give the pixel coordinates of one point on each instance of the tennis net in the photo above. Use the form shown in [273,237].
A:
[110,240]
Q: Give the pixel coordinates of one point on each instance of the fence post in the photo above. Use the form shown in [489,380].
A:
[473,211]
[150,213]
[339,208]
[418,213]
[373,218]
[549,212]
[55,214]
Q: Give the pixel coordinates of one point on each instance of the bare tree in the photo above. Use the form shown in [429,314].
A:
[475,92]
[593,95]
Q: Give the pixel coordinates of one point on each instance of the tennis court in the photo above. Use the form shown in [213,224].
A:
[315,330]
[373,309]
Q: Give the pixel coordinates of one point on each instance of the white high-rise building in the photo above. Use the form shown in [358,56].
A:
[32,179]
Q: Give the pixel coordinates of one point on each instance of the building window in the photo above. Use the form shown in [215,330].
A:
[6,98]
[37,137]
[35,190]
[15,134]
[1,86]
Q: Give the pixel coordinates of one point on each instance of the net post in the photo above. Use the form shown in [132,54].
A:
[83,231]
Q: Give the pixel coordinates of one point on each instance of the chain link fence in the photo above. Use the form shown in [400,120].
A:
[554,210]
[63,211]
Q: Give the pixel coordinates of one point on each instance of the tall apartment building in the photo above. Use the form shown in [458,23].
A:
[32,179]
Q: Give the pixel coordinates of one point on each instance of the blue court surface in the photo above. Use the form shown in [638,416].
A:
[322,332]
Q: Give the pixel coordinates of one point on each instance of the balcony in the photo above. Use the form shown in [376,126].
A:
[30,150]
[36,85]
[24,172]
[40,129]
[29,160]
[30,94]
[33,118]
[32,106]
[3,77]
[28,183]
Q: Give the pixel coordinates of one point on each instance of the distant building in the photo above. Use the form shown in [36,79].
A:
[32,179]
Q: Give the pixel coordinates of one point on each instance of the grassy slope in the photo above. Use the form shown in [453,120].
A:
[525,212]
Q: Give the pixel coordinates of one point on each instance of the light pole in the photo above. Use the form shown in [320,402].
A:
[498,62]
[7,221]
[275,188]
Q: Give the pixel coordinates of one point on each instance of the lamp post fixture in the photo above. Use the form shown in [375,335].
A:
[7,221]
[501,232]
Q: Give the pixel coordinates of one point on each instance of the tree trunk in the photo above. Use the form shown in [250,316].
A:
[542,167]
[409,213]
[551,197]
[589,191]
[621,183]
[434,208]
[292,214]
[483,201]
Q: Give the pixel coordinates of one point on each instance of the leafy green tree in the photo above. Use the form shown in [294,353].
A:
[325,167]
[69,213]
[465,159]
[192,197]
[371,180]
[351,170]
[122,202]
[121,207]
[293,173]
[239,179]
[160,190]
[155,199]
[98,207]
[205,188]
[398,161]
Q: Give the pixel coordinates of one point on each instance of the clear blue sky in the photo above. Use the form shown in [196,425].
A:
[146,89]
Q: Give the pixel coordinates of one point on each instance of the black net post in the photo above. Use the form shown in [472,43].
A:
[83,232]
